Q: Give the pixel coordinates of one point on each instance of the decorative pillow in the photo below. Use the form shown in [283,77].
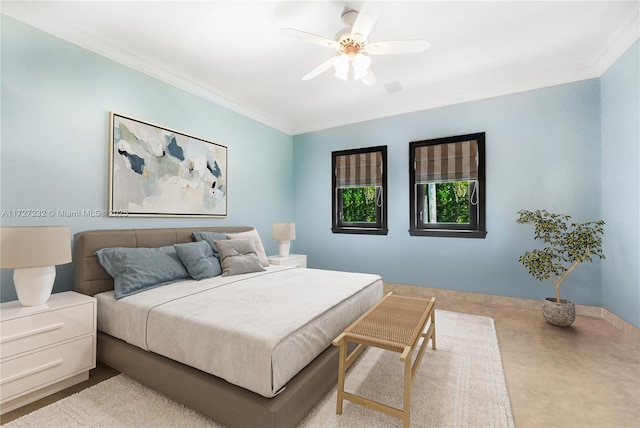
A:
[138,269]
[210,238]
[252,234]
[199,260]
[238,256]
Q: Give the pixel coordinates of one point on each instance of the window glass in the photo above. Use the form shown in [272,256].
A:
[447,202]
[361,204]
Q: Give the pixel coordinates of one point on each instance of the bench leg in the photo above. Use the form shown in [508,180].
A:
[342,359]
[406,413]
[433,334]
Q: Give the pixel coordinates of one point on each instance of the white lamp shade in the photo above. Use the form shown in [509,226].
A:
[34,246]
[33,252]
[341,65]
[283,231]
[361,63]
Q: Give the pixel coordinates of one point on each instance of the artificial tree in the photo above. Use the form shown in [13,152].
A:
[567,246]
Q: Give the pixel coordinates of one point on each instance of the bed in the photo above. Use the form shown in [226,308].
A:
[219,378]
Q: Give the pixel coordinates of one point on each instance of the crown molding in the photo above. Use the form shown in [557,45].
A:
[618,46]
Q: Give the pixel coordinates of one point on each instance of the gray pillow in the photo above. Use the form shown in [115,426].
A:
[252,234]
[238,256]
[210,238]
[139,269]
[199,260]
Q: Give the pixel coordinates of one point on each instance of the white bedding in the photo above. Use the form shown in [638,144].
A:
[255,330]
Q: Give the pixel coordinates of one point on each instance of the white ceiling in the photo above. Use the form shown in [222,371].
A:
[232,52]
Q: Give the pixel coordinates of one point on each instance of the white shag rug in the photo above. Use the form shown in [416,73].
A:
[460,384]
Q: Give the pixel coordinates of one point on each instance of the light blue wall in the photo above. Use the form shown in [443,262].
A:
[542,152]
[620,92]
[56,99]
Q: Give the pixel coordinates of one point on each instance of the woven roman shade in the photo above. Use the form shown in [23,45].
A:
[447,162]
[359,170]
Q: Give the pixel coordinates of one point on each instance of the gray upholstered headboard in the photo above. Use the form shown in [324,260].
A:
[88,275]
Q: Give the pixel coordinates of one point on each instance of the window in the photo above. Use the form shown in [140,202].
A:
[359,198]
[447,191]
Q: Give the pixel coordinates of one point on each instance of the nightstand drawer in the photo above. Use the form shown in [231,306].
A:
[38,330]
[21,375]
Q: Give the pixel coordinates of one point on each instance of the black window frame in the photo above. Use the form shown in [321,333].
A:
[477,226]
[339,226]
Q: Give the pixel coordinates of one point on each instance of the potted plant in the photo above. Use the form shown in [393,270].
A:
[567,247]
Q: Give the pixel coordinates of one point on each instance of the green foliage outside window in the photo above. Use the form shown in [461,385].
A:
[451,201]
[359,204]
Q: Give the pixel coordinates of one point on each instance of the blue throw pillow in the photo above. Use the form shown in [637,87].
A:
[210,238]
[199,260]
[138,269]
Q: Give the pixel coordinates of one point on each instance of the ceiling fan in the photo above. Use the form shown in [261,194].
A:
[353,47]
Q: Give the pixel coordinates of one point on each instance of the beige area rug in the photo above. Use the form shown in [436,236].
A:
[460,384]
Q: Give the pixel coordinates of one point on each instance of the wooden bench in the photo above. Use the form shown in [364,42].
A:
[396,324]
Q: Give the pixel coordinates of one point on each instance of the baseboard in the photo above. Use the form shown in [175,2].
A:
[439,293]
[622,325]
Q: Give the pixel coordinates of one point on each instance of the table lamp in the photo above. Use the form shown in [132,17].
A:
[33,252]
[284,233]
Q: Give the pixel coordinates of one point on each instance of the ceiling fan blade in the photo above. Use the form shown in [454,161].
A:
[364,22]
[369,79]
[318,40]
[396,47]
[320,69]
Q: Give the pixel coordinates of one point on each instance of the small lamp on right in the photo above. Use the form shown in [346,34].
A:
[284,233]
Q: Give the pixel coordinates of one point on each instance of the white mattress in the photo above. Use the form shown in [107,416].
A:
[254,330]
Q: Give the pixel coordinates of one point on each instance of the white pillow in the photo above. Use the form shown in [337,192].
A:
[253,234]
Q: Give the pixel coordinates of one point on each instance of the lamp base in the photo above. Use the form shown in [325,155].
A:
[34,285]
[283,248]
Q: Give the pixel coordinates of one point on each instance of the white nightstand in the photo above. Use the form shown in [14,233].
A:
[45,348]
[297,260]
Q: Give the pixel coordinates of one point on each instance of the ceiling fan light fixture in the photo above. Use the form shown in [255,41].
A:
[341,65]
[353,47]
[361,64]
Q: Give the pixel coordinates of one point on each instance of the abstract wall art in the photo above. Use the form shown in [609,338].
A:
[156,171]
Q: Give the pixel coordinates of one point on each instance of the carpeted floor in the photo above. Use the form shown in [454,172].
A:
[461,384]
